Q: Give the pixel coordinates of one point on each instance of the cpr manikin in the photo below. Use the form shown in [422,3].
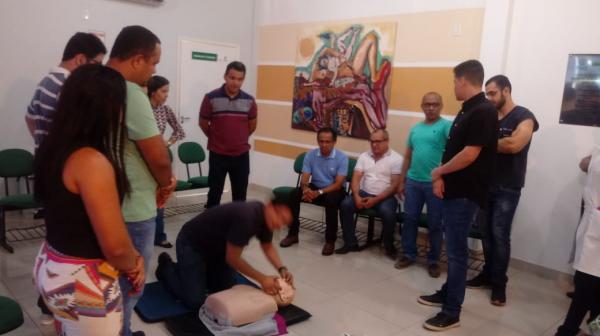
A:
[244,304]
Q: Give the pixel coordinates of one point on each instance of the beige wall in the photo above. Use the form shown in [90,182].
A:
[428,45]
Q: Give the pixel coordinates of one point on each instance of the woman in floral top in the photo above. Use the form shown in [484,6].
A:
[158,92]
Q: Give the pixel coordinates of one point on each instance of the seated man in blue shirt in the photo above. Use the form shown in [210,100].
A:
[323,175]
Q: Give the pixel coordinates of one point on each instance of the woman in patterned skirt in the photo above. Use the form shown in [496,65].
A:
[80,179]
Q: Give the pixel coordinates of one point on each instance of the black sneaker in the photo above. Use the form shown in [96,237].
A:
[346,248]
[479,282]
[441,322]
[163,259]
[435,300]
[498,296]
[138,333]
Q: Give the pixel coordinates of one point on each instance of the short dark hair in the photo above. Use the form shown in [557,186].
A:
[327,130]
[471,70]
[501,82]
[83,43]
[155,83]
[134,40]
[236,65]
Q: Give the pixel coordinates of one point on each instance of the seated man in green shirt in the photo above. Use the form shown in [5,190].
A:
[425,145]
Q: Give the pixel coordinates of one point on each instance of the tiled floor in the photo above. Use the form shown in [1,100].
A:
[358,294]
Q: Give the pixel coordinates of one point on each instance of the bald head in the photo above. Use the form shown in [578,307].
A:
[432,105]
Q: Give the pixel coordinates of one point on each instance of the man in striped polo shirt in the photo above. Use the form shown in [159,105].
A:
[82,48]
[228,118]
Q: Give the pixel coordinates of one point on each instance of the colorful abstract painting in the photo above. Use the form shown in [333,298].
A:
[342,78]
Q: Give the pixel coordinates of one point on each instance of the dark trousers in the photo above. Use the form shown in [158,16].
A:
[458,216]
[386,209]
[238,168]
[331,201]
[159,233]
[585,299]
[194,276]
[495,229]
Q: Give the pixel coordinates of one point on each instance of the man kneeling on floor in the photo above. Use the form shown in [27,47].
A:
[209,251]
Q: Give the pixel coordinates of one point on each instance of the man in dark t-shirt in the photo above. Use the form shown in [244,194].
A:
[209,250]
[462,181]
[516,127]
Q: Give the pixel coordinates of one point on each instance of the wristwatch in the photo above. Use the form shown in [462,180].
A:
[320,191]
[281,269]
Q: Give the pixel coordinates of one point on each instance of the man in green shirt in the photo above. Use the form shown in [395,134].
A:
[135,53]
[426,143]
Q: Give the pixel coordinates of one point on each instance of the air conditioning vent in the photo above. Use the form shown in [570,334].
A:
[147,2]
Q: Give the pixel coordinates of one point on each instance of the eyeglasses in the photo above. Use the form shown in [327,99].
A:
[377,142]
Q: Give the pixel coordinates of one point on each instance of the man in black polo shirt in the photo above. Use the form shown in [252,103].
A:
[209,250]
[516,127]
[463,181]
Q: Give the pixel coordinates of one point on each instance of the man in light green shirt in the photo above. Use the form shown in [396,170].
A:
[426,143]
[135,53]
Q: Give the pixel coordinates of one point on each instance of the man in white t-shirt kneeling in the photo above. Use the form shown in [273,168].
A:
[374,182]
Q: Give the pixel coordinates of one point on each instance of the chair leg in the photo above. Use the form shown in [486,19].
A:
[3,242]
[370,230]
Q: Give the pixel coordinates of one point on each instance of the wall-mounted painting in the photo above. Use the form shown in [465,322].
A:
[581,95]
[342,77]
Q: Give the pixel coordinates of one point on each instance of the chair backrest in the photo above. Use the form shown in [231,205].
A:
[299,162]
[191,152]
[351,165]
[16,163]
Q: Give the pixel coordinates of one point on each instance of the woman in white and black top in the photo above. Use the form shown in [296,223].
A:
[158,92]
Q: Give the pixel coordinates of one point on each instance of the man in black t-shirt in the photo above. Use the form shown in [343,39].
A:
[209,250]
[462,181]
[516,127]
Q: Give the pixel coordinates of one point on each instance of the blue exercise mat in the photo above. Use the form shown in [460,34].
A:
[157,304]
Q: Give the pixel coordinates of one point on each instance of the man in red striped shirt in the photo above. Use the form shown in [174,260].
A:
[228,118]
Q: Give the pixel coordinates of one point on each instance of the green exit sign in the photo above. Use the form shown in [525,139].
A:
[203,56]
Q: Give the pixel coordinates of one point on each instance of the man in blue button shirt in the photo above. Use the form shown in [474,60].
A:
[323,174]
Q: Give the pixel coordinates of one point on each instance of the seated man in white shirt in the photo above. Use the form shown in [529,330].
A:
[375,179]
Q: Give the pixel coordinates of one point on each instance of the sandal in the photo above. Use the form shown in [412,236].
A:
[164,244]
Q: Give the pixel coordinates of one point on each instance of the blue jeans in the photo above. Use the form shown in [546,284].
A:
[195,275]
[495,229]
[386,210]
[416,194]
[458,215]
[160,235]
[142,237]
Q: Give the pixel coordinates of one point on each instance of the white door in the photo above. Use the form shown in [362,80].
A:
[201,68]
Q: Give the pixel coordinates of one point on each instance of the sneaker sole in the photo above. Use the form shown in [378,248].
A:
[498,303]
[436,328]
[428,303]
[47,321]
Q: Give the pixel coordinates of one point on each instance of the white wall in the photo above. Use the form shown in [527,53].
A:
[542,35]
[529,40]
[33,34]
